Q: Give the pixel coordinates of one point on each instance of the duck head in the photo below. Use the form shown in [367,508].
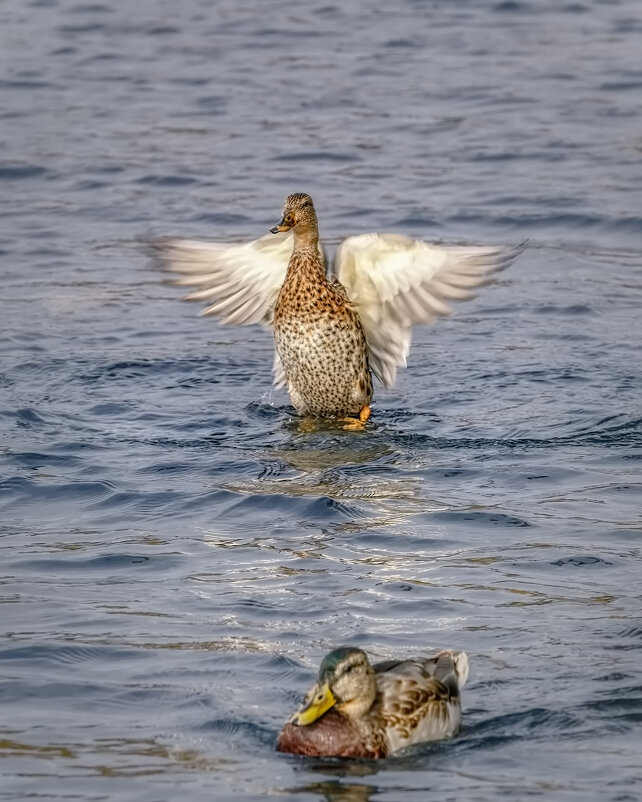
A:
[298,215]
[346,681]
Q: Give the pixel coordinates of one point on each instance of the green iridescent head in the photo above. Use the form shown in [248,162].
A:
[337,658]
[346,681]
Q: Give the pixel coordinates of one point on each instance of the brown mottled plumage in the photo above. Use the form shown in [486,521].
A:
[317,331]
[331,335]
[358,710]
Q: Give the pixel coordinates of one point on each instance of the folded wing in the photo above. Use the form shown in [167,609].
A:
[420,699]
[397,282]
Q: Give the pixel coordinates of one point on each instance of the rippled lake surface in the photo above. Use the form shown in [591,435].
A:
[176,556]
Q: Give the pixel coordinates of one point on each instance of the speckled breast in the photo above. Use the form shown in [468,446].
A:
[323,349]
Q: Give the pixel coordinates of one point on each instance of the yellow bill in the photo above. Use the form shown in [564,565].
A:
[322,700]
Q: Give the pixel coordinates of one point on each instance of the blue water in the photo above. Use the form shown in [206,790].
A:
[176,556]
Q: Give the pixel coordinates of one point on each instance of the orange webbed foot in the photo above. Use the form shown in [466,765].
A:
[358,424]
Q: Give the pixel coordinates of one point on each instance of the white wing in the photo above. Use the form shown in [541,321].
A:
[240,282]
[396,282]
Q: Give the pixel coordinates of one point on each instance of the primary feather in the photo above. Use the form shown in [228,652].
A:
[397,282]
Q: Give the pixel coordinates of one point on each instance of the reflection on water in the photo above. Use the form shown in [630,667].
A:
[361,477]
[338,791]
[309,454]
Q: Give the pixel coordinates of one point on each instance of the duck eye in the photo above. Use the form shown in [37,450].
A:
[305,205]
[348,669]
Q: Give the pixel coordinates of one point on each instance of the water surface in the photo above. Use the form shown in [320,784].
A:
[176,555]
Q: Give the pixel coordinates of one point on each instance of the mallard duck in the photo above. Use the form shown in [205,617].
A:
[359,710]
[331,334]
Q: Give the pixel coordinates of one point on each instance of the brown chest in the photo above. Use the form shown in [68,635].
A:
[302,299]
[330,736]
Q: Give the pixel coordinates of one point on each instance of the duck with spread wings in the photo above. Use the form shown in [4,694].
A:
[331,333]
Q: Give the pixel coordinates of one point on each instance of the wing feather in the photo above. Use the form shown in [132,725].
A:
[242,280]
[397,282]
[420,699]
